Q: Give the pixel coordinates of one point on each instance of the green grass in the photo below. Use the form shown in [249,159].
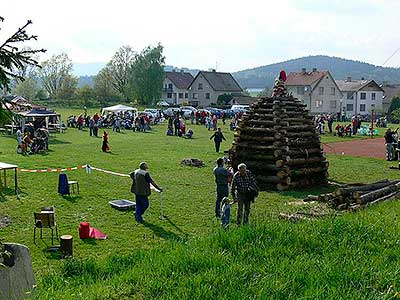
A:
[186,255]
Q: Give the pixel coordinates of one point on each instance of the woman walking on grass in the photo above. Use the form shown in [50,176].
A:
[105,147]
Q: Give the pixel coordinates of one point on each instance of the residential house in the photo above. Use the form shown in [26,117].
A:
[391,91]
[317,89]
[360,96]
[176,86]
[207,86]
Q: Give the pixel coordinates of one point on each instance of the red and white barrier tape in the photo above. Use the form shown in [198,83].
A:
[108,172]
[52,169]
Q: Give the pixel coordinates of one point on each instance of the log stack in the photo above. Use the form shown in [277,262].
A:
[360,195]
[278,142]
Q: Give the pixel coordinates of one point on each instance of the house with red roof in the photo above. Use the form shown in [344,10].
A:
[176,84]
[317,89]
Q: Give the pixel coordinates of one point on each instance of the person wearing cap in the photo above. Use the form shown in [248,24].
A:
[221,179]
[141,181]
[243,186]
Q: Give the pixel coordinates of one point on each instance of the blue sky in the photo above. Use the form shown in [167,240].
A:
[232,35]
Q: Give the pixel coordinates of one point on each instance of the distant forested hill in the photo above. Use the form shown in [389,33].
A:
[339,68]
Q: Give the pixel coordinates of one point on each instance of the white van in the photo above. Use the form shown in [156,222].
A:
[240,108]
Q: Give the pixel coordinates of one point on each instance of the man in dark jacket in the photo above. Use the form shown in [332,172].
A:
[141,181]
[218,137]
[243,187]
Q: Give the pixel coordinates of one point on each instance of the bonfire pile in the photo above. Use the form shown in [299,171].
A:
[277,140]
[355,196]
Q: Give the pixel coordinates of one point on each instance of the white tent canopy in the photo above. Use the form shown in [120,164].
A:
[118,108]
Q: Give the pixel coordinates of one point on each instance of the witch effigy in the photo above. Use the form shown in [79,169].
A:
[277,140]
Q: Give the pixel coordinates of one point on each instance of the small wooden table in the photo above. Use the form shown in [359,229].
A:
[5,167]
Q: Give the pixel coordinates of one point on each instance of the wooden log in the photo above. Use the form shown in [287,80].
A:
[306,171]
[66,245]
[270,131]
[303,161]
[300,134]
[304,152]
[273,179]
[245,145]
[310,198]
[379,193]
[346,191]
[298,128]
[255,138]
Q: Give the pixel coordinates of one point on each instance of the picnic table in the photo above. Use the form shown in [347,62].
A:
[11,128]
[5,167]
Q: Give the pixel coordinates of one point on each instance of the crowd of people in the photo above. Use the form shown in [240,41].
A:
[32,140]
[115,120]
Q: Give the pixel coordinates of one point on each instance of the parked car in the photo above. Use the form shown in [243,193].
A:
[237,108]
[215,111]
[171,111]
[229,113]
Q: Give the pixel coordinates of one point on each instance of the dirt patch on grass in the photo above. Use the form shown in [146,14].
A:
[374,147]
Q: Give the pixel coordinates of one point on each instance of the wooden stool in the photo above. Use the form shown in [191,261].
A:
[72,185]
[66,245]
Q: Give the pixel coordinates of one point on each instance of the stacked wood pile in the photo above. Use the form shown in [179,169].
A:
[192,162]
[359,195]
[278,142]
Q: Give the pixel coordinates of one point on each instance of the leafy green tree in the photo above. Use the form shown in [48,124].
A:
[120,71]
[224,99]
[394,104]
[103,87]
[27,88]
[87,94]
[56,77]
[67,91]
[395,116]
[147,74]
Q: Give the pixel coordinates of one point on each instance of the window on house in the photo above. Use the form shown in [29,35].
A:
[169,95]
[300,90]
[333,103]
[200,86]
[170,86]
[207,95]
[195,95]
[363,96]
[186,95]
[318,103]
[350,95]
[349,107]
[333,91]
[165,86]
[180,95]
[362,107]
[321,90]
[373,96]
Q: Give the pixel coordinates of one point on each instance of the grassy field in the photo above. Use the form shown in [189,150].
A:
[186,255]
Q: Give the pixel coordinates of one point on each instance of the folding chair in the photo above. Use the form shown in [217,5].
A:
[45,219]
